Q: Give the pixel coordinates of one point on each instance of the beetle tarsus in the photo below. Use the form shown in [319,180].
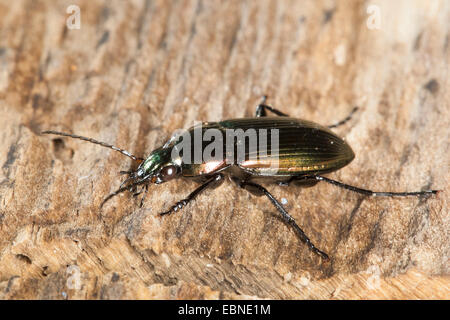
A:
[144,196]
[126,172]
[286,217]
[261,109]
[370,192]
[177,206]
[345,120]
[123,189]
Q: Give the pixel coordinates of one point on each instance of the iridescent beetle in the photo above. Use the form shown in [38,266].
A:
[306,151]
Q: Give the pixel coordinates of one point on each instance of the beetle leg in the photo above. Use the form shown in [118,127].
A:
[261,109]
[286,217]
[143,197]
[126,172]
[131,188]
[180,204]
[345,120]
[304,181]
[143,189]
[135,194]
[370,192]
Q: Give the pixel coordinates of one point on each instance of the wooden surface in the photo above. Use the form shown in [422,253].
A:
[136,71]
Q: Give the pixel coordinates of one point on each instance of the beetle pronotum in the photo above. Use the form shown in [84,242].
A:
[305,151]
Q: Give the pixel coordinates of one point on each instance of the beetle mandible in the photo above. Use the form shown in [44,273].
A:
[305,151]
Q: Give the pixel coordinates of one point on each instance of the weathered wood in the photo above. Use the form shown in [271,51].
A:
[136,71]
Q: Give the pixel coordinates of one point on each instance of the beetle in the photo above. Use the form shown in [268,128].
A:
[303,153]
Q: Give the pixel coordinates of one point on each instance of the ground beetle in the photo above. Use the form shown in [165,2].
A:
[306,150]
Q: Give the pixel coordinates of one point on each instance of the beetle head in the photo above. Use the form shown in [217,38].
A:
[159,167]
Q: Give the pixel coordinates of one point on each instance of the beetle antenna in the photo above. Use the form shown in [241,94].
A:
[103,144]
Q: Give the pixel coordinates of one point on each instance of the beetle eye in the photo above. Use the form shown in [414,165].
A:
[168,173]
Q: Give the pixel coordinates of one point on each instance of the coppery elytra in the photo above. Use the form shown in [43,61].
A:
[306,150]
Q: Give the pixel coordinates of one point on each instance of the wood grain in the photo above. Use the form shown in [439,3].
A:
[136,71]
